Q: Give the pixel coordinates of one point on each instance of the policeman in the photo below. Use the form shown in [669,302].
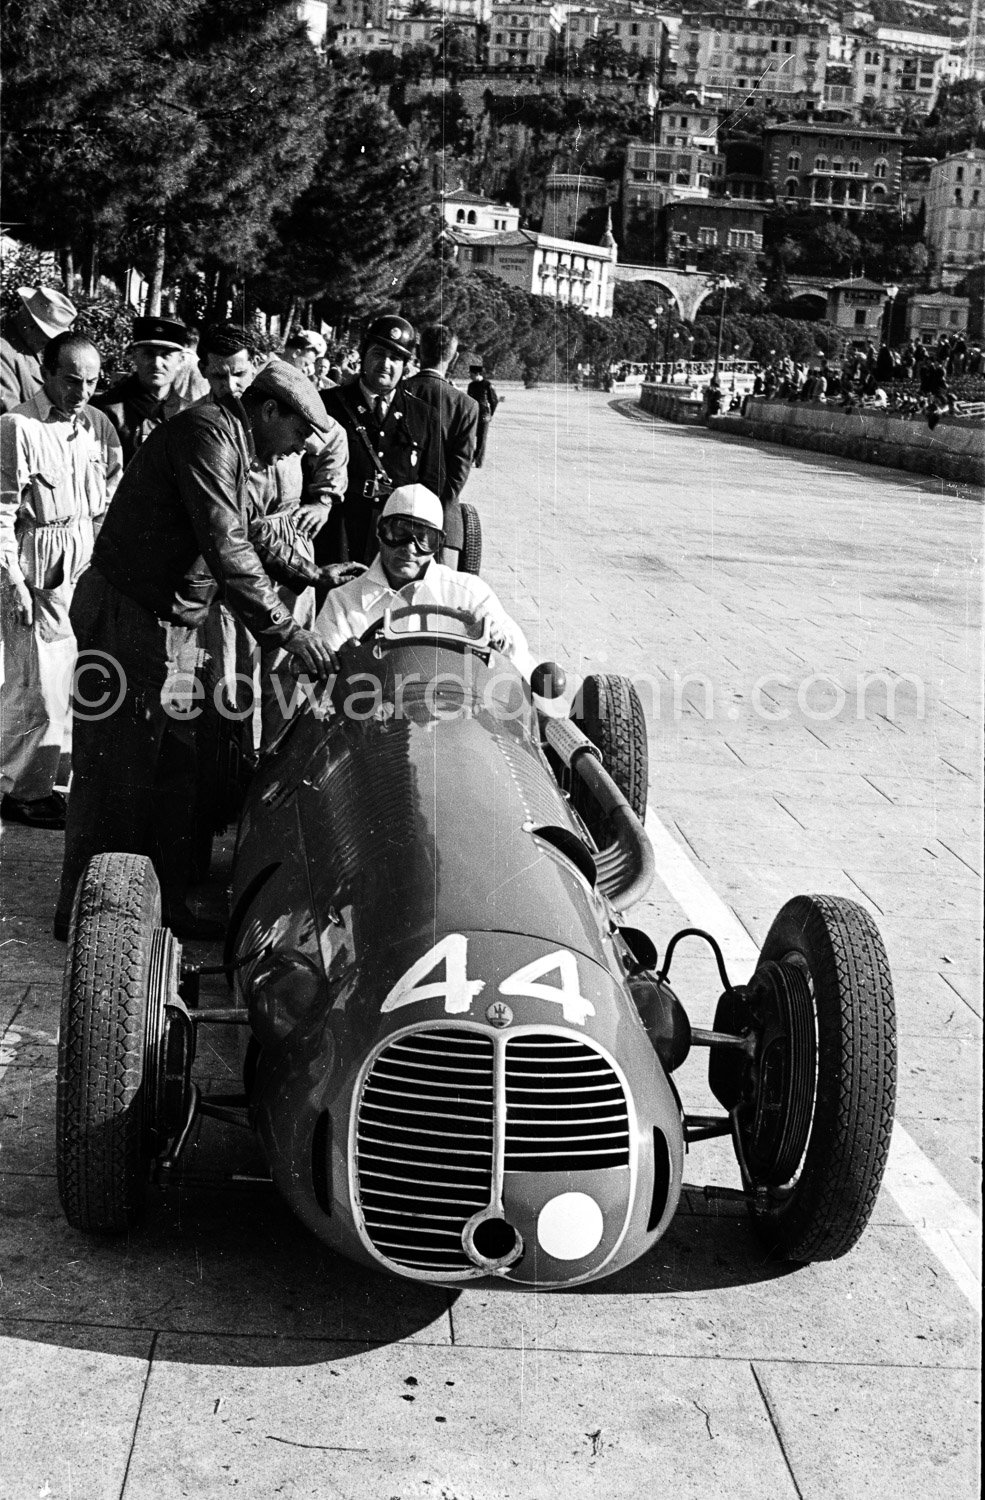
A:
[483,392]
[142,401]
[394,439]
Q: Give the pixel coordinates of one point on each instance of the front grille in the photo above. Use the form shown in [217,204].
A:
[565,1107]
[425,1127]
[424,1146]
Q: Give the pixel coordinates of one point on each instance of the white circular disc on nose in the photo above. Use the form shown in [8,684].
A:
[570,1226]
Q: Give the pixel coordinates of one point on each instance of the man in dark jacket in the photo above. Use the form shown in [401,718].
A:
[458,414]
[483,394]
[148,397]
[394,439]
[175,531]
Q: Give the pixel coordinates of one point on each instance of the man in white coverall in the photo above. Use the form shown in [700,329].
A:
[60,461]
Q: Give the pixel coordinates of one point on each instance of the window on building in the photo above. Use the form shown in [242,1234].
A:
[471,218]
[820,163]
[837,165]
[788,46]
[793,162]
[955,316]
[854,166]
[707,236]
[860,317]
[774,46]
[793,187]
[742,239]
[878,192]
[460,216]
[880,167]
[975,195]
[957,197]
[959,174]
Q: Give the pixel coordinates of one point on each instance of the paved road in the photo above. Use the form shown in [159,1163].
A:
[806,633]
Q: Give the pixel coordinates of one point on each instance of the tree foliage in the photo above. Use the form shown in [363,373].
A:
[351,239]
[127,122]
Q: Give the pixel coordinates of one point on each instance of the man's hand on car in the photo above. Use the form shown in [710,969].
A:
[335,573]
[309,519]
[311,654]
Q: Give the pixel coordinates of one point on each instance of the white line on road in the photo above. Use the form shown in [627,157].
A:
[947,1226]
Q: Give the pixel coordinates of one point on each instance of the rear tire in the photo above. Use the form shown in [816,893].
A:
[470,559]
[102,1144]
[817,1190]
[609,712]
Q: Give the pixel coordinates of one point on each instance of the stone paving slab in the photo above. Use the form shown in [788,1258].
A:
[189,1268]
[69,1410]
[840,1430]
[885,1303]
[462,1423]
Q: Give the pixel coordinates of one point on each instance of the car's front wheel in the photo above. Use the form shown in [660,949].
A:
[111,1025]
[609,712]
[813,1105]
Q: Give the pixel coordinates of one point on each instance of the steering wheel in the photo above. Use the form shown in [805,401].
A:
[384,629]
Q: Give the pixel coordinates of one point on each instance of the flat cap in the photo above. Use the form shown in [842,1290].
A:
[282,382]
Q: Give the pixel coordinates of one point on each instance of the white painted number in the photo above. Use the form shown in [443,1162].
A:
[566,993]
[458,991]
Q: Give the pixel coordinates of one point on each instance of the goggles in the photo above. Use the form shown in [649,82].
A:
[396,531]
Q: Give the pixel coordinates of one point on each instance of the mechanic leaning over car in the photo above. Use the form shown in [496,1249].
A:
[288,502]
[394,439]
[405,572]
[175,531]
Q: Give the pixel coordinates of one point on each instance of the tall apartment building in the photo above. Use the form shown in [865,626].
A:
[955,228]
[521,35]
[850,167]
[897,77]
[749,54]
[642,33]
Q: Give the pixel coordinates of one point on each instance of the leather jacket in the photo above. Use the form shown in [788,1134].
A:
[176,531]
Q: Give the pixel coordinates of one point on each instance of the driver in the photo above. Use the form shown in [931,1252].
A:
[405,573]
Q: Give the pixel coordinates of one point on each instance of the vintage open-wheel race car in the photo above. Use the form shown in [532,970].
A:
[458,1057]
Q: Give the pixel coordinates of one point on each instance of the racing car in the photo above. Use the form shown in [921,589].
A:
[459,1057]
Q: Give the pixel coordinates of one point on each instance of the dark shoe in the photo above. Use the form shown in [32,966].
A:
[185,924]
[46,812]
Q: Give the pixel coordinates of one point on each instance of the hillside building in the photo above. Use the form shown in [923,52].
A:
[846,167]
[929,314]
[569,271]
[521,35]
[694,230]
[955,227]
[751,54]
[858,307]
[570,195]
[473,214]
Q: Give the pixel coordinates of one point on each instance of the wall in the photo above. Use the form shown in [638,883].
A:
[955,449]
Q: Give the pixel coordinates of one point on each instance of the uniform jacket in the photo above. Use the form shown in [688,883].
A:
[178,525]
[458,416]
[483,392]
[134,413]
[408,447]
[20,369]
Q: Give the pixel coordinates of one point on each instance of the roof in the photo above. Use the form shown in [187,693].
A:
[840,127]
[459,195]
[857,284]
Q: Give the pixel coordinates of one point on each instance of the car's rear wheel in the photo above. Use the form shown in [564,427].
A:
[609,712]
[111,1028]
[813,1107]
[470,558]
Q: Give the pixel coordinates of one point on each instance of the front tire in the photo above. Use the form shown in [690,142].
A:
[470,560]
[103,1135]
[609,712]
[815,1115]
